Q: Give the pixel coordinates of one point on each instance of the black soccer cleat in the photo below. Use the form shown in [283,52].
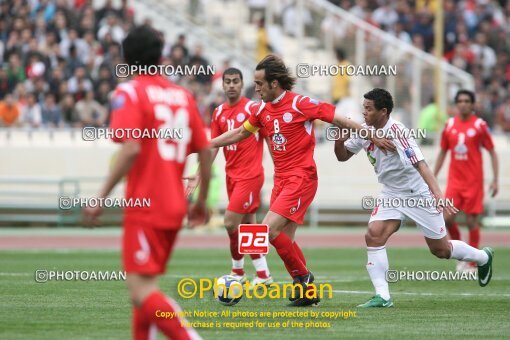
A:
[305,302]
[301,281]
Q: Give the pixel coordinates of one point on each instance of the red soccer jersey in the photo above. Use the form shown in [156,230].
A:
[465,139]
[244,159]
[288,121]
[153,103]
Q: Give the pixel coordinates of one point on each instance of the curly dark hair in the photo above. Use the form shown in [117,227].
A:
[142,46]
[468,93]
[382,99]
[275,69]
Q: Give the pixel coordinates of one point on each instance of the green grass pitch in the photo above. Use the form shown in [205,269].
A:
[101,310]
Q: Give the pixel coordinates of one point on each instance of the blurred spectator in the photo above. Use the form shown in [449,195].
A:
[9,111]
[263,46]
[340,82]
[31,113]
[68,111]
[503,115]
[431,120]
[112,27]
[385,16]
[51,114]
[90,112]
[79,77]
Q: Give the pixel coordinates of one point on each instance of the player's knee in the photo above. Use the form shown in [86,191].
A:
[442,253]
[374,240]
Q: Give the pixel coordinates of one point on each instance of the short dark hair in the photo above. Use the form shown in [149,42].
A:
[468,93]
[382,99]
[232,71]
[275,69]
[142,46]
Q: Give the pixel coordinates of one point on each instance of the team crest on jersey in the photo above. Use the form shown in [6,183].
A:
[240,117]
[314,101]
[279,139]
[223,119]
[409,152]
[268,118]
[118,101]
[287,117]
[471,132]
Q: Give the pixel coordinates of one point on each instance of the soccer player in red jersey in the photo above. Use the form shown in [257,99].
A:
[245,174]
[463,136]
[287,118]
[154,170]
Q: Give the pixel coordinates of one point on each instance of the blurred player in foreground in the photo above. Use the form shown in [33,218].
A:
[244,172]
[154,169]
[406,177]
[464,136]
[287,118]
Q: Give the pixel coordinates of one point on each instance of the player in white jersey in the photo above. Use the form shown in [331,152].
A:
[409,190]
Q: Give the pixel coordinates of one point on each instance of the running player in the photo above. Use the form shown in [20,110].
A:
[154,170]
[245,174]
[287,118]
[406,179]
[464,136]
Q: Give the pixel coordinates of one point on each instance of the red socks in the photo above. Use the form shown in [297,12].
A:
[454,231]
[474,237]
[285,248]
[146,315]
[234,245]
[299,252]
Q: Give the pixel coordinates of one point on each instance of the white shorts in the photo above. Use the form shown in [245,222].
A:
[426,216]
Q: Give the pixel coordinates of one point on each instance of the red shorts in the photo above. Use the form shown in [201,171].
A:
[244,194]
[292,196]
[146,250]
[469,202]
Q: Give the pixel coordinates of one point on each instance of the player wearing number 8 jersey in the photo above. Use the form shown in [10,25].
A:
[286,118]
[154,170]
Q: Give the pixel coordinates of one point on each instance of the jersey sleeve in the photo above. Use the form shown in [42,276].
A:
[354,145]
[487,141]
[126,113]
[215,128]
[407,147]
[199,139]
[313,109]
[444,140]
[253,124]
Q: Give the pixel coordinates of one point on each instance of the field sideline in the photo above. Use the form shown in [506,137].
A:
[100,309]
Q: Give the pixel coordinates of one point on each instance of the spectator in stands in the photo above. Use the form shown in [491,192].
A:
[9,111]
[385,16]
[51,114]
[197,59]
[31,113]
[80,77]
[90,112]
[340,82]
[68,111]
[111,26]
[503,115]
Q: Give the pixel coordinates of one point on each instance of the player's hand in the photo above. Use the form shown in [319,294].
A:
[384,144]
[197,214]
[193,182]
[493,189]
[91,216]
[443,206]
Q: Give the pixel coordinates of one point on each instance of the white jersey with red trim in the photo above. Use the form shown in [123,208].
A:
[395,170]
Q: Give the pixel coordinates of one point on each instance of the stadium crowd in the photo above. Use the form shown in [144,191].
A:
[477,40]
[58,62]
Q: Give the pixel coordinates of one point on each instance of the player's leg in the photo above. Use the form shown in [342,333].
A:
[376,237]
[451,224]
[145,254]
[259,260]
[232,221]
[459,250]
[473,223]
[290,230]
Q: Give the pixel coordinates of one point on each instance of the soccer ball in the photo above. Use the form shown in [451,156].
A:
[229,290]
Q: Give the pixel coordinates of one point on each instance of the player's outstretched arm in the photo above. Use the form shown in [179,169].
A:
[431,181]
[341,152]
[495,171]
[383,144]
[231,137]
[198,211]
[127,155]
[194,180]
[439,161]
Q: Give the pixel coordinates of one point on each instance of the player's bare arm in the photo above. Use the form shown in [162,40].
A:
[383,144]
[431,181]
[127,155]
[198,210]
[439,161]
[341,152]
[495,171]
[194,180]
[231,137]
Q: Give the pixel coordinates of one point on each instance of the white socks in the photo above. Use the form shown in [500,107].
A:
[377,265]
[238,264]
[260,265]
[464,252]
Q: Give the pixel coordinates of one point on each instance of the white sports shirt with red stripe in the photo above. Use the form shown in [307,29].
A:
[394,170]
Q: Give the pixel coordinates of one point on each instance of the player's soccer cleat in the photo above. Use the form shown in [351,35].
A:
[301,281]
[485,271]
[377,301]
[260,281]
[240,278]
[305,302]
